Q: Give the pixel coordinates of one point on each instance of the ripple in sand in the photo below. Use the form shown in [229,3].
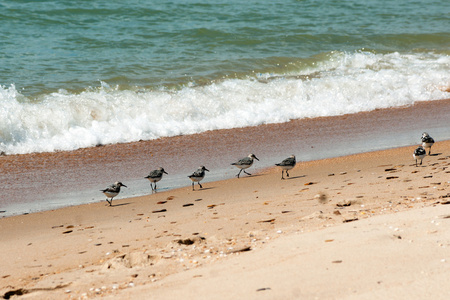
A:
[245,249]
[267,221]
[350,220]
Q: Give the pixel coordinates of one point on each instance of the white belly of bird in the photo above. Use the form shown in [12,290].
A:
[244,166]
[286,167]
[427,145]
[421,156]
[155,179]
[110,194]
[196,179]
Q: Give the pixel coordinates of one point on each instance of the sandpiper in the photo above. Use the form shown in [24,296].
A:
[427,142]
[155,176]
[287,164]
[419,153]
[197,176]
[112,191]
[245,163]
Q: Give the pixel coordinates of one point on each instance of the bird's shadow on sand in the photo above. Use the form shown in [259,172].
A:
[248,176]
[120,204]
[435,154]
[207,188]
[294,177]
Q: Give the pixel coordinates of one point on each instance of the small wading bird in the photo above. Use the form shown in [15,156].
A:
[197,176]
[112,191]
[419,153]
[427,142]
[287,164]
[245,163]
[155,176]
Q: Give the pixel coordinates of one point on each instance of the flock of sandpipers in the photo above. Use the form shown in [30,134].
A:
[245,163]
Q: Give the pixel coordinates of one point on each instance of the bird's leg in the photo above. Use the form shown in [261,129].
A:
[282,172]
[239,173]
[287,174]
[155,187]
[200,185]
[421,161]
[416,162]
[246,172]
[108,201]
[193,186]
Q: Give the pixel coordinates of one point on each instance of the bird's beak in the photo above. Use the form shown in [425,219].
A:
[124,185]
[256,158]
[206,169]
[165,172]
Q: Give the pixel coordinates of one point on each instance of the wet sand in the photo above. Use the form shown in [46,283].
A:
[363,226]
[43,181]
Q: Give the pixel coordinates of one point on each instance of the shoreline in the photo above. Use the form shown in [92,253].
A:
[168,242]
[75,177]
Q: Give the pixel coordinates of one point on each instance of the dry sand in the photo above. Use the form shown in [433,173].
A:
[365,226]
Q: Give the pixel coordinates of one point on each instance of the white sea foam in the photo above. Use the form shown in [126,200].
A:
[341,84]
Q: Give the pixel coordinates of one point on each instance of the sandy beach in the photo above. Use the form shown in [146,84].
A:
[93,94]
[364,226]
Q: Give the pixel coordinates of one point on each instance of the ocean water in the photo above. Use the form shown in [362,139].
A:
[77,74]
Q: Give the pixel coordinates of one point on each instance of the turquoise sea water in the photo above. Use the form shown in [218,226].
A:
[81,73]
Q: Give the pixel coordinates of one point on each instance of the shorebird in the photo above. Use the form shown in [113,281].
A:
[112,191]
[419,153]
[155,176]
[197,176]
[287,164]
[427,142]
[245,163]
